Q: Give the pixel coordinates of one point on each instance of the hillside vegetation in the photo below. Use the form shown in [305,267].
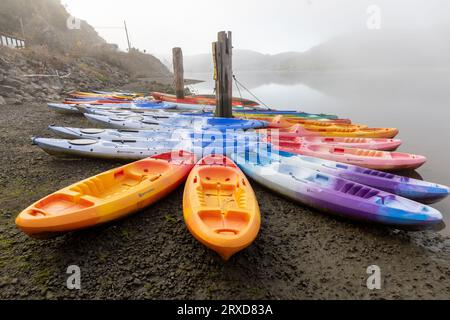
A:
[84,58]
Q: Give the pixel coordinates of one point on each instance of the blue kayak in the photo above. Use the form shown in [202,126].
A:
[178,122]
[223,124]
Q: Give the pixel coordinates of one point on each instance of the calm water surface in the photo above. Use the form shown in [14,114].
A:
[415,101]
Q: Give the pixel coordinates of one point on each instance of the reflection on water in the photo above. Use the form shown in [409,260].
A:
[415,101]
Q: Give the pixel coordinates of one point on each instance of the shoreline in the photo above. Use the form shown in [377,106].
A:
[300,253]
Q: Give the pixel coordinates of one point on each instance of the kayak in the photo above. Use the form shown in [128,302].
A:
[186,134]
[418,190]
[220,124]
[207,100]
[93,101]
[80,108]
[119,135]
[158,115]
[132,150]
[120,150]
[63,108]
[372,159]
[106,197]
[102,94]
[220,207]
[283,122]
[285,113]
[337,195]
[360,143]
[313,125]
[299,131]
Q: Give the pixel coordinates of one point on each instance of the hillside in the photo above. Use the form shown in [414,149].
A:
[81,55]
[379,49]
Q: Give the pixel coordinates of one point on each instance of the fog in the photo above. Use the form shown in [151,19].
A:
[265,26]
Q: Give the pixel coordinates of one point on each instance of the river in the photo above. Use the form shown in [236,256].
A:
[416,101]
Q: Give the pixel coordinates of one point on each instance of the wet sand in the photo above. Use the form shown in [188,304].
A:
[299,254]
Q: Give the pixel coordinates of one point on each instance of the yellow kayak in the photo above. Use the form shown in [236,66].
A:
[107,196]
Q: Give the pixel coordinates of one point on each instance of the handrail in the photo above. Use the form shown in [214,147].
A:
[12,42]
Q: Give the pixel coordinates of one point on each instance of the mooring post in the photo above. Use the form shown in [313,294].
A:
[178,72]
[223,74]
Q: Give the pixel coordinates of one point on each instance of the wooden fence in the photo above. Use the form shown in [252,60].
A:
[12,42]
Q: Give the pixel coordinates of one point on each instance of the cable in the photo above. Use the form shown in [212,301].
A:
[254,96]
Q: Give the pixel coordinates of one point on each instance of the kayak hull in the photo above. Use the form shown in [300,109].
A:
[359,143]
[132,150]
[418,190]
[220,207]
[106,197]
[300,131]
[372,159]
[180,122]
[340,196]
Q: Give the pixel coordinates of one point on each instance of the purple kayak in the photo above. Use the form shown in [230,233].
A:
[418,190]
[337,195]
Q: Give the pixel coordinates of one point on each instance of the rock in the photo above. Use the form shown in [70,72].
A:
[13,82]
[7,91]
[2,101]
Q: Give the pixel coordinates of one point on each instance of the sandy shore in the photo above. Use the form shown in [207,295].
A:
[299,254]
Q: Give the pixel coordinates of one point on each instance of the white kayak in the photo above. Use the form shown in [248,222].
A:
[132,149]
[103,149]
[121,134]
[63,108]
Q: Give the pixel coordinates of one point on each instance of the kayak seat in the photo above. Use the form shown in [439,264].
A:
[230,222]
[380,174]
[218,178]
[356,190]
[59,204]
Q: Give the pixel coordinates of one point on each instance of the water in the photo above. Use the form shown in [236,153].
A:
[415,101]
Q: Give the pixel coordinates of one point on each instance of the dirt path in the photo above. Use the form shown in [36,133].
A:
[300,254]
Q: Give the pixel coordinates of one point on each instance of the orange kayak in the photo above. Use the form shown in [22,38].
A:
[300,131]
[284,122]
[220,207]
[107,196]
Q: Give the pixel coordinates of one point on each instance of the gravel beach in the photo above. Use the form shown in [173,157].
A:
[299,254]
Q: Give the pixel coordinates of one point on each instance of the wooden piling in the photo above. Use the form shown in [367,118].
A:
[224,74]
[178,72]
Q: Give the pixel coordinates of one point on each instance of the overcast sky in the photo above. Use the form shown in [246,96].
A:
[268,26]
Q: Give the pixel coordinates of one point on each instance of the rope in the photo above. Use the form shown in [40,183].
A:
[254,96]
[237,86]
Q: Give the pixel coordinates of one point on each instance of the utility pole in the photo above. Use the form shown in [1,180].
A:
[22,28]
[128,37]
[223,73]
[178,72]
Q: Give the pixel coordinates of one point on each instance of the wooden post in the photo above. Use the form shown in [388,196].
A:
[224,75]
[178,72]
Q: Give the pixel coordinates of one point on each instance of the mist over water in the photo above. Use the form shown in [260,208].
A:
[414,100]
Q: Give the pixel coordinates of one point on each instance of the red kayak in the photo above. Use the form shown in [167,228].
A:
[201,99]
